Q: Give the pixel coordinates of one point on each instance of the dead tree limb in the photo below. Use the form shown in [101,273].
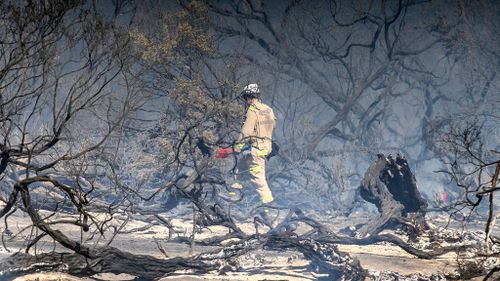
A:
[10,203]
[325,256]
[422,254]
[39,222]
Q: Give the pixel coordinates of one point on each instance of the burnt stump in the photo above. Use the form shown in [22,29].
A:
[391,186]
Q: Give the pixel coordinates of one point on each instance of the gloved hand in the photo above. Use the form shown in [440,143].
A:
[246,149]
[223,153]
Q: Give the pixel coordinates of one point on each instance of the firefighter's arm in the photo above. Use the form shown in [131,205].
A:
[247,130]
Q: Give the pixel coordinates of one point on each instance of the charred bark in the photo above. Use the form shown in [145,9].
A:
[109,260]
[390,185]
[4,160]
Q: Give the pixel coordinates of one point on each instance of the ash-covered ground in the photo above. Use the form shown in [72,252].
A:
[383,261]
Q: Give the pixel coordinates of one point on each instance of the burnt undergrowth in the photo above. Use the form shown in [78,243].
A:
[318,244]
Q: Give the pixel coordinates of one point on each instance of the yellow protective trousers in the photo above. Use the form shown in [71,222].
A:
[252,168]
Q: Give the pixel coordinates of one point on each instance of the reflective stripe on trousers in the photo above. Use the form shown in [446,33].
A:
[252,168]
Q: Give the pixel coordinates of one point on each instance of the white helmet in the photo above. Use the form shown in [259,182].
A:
[251,91]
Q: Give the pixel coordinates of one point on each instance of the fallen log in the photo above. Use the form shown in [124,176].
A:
[325,258]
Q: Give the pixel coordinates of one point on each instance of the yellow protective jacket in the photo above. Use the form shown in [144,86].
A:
[258,127]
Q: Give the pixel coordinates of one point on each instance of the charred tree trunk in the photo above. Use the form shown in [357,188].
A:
[391,186]
[4,160]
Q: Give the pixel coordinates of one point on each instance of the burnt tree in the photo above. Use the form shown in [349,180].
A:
[390,185]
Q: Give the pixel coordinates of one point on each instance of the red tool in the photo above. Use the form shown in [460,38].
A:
[224,153]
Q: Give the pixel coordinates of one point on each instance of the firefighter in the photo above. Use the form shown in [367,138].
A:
[255,145]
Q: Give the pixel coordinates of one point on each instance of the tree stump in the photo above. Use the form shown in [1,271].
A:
[391,186]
